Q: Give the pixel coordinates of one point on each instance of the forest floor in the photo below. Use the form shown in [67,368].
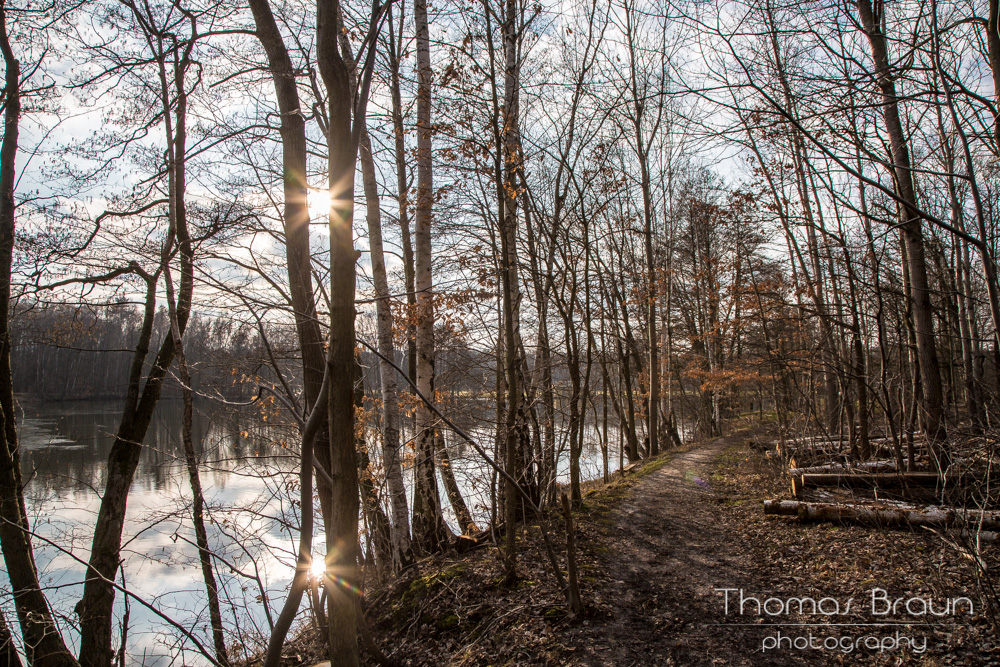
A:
[655,548]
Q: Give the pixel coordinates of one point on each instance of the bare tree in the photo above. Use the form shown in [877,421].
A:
[871,17]
[39,631]
[430,533]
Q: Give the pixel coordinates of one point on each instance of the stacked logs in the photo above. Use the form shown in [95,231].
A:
[818,462]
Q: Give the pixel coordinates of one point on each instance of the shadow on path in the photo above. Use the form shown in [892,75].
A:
[669,553]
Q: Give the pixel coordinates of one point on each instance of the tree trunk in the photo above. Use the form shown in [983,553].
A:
[509,148]
[815,283]
[985,248]
[923,317]
[403,192]
[401,550]
[542,372]
[575,418]
[295,216]
[466,524]
[629,424]
[197,496]
[993,49]
[573,586]
[97,604]
[38,629]
[295,220]
[430,533]
[377,524]
[8,649]
[645,184]
[345,118]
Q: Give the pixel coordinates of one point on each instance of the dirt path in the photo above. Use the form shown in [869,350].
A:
[668,553]
[654,549]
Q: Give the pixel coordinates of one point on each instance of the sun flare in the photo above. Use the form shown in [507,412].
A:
[319,203]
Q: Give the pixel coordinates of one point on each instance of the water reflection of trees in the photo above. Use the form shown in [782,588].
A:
[66,445]
[244,462]
[71,352]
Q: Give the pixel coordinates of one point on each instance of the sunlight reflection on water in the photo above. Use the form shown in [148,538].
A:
[245,474]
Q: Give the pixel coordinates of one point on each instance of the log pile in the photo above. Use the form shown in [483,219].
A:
[811,450]
[816,463]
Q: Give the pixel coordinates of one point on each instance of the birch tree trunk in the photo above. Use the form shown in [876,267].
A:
[430,533]
[401,550]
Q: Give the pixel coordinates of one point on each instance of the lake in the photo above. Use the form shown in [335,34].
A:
[246,473]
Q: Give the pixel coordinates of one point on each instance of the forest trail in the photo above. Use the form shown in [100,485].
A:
[654,549]
[670,552]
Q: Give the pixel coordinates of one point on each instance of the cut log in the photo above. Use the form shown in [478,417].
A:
[808,460]
[808,464]
[791,507]
[813,450]
[883,480]
[882,515]
[632,467]
[870,466]
[781,507]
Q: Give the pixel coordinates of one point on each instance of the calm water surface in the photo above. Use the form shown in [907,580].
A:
[248,477]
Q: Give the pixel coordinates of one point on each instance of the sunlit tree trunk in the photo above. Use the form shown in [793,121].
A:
[298,258]
[345,119]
